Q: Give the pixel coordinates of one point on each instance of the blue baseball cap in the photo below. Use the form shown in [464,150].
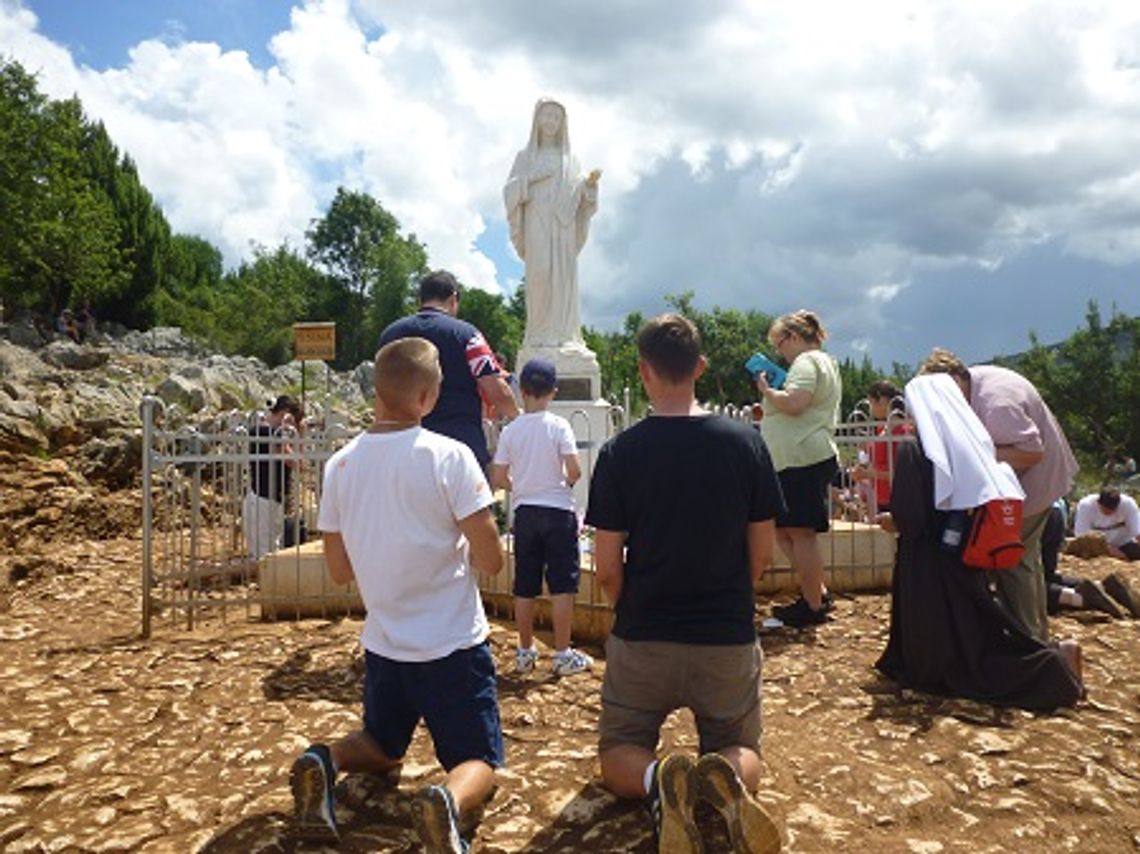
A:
[538,376]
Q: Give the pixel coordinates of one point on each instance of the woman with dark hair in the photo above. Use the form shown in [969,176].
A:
[799,429]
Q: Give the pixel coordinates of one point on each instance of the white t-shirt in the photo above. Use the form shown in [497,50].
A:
[1119,527]
[394,498]
[533,445]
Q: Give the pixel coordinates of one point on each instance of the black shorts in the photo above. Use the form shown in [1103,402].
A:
[806,494]
[545,537]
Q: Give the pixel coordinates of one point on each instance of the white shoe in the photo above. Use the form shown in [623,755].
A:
[525,659]
[571,661]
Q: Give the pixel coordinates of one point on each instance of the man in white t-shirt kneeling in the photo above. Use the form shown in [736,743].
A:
[407,513]
[537,460]
[1115,516]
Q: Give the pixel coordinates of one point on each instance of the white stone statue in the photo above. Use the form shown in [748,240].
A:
[549,206]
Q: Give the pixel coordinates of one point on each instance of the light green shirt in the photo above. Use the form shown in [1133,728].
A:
[807,438]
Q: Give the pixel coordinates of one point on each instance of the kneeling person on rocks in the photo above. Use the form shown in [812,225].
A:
[406,513]
[537,460]
[691,500]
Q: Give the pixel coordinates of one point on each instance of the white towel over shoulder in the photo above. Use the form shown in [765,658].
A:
[966,472]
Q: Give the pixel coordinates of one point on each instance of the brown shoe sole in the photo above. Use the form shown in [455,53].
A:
[750,829]
[307,782]
[678,788]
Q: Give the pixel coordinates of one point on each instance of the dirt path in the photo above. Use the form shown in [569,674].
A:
[183,742]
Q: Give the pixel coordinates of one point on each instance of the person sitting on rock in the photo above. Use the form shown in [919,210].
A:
[1114,515]
[406,513]
[65,325]
[684,506]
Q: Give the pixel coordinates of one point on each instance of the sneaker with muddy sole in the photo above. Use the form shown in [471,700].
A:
[750,829]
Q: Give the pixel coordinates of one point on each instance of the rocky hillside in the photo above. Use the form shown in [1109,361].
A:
[80,402]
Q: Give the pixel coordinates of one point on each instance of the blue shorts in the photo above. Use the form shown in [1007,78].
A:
[456,697]
[545,537]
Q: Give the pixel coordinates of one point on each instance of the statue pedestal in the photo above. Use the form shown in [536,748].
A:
[579,377]
[578,401]
[592,425]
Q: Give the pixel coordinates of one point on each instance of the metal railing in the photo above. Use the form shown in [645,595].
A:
[211,549]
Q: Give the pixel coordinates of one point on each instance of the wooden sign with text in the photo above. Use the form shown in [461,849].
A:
[314,341]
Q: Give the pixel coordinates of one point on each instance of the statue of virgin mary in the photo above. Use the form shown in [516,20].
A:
[549,206]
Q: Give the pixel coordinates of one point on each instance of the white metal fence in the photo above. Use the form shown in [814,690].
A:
[203,536]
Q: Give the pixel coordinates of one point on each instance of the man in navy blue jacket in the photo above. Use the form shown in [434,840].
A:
[470,372]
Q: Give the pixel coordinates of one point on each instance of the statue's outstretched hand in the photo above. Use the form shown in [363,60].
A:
[592,178]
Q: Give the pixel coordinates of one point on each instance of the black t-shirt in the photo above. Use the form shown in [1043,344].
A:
[269,476]
[685,490]
[465,357]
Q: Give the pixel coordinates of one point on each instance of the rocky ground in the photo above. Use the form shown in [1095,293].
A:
[183,742]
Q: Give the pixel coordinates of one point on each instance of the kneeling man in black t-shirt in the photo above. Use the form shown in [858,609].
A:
[691,499]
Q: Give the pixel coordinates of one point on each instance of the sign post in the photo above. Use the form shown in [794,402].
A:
[313,340]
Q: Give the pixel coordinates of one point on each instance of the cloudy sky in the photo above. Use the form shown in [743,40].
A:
[955,173]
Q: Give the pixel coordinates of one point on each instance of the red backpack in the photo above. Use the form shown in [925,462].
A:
[995,535]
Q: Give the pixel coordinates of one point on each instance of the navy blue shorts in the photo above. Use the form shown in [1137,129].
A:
[806,494]
[455,696]
[545,537]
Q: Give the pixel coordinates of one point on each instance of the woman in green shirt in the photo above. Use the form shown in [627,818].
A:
[799,428]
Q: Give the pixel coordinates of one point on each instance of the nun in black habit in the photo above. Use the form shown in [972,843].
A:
[949,635]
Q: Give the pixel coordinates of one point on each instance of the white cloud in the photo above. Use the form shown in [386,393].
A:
[885,292]
[768,156]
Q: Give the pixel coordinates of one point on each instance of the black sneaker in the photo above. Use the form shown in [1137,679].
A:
[437,821]
[311,779]
[1120,590]
[800,614]
[1096,599]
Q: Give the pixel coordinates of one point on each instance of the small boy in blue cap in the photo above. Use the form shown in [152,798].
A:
[537,460]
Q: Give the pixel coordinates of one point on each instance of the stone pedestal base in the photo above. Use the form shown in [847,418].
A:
[579,377]
[591,423]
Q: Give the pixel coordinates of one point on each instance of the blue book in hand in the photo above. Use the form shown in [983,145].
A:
[759,362]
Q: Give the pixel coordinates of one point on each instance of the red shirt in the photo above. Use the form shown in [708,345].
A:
[881,462]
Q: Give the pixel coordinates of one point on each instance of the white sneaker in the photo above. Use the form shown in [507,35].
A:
[571,661]
[525,659]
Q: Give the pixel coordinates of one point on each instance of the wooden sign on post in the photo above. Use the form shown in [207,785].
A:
[314,341]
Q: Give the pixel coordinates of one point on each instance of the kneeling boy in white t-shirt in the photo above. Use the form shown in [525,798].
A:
[406,513]
[537,460]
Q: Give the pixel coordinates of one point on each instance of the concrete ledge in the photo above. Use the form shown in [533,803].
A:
[294,582]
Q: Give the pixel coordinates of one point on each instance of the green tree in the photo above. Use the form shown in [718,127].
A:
[79,225]
[856,379]
[261,300]
[59,242]
[371,268]
[617,359]
[1091,381]
[728,338]
[143,232]
[493,317]
[189,297]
